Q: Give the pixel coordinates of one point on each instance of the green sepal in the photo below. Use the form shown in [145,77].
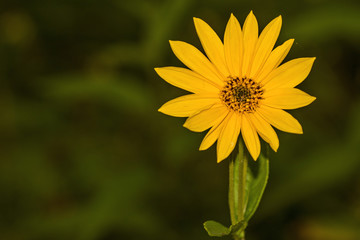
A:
[215,229]
[256,180]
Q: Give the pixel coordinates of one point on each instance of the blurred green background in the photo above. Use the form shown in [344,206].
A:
[85,155]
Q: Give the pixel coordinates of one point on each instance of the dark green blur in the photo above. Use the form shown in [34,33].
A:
[85,155]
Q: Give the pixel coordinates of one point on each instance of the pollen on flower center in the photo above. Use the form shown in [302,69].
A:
[241,94]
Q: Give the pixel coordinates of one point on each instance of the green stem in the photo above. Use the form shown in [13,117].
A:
[237,180]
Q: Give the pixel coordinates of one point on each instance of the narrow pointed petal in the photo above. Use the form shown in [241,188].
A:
[196,61]
[250,137]
[187,105]
[250,35]
[280,119]
[212,45]
[228,136]
[287,98]
[186,79]
[274,60]
[233,45]
[206,118]
[212,135]
[290,74]
[265,130]
[265,45]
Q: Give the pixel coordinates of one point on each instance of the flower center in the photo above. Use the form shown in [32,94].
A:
[241,95]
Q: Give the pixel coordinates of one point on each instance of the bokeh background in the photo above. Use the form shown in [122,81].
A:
[85,155]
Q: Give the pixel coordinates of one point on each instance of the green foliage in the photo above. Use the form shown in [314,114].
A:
[215,229]
[247,182]
[256,180]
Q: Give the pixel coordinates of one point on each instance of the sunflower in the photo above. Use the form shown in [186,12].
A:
[240,87]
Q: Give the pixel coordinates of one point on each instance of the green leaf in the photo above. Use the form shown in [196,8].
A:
[215,229]
[256,180]
[240,226]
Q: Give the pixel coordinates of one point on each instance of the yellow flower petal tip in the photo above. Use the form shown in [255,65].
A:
[255,155]
[232,17]
[275,145]
[162,109]
[252,15]
[221,156]
[278,20]
[186,124]
[299,130]
[240,88]
[173,43]
[311,60]
[157,69]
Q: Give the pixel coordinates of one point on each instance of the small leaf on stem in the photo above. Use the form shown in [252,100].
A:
[256,180]
[215,229]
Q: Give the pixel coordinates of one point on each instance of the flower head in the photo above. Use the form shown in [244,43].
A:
[240,87]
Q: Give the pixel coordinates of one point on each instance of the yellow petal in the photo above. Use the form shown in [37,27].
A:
[212,45]
[274,60]
[250,137]
[233,45]
[287,98]
[212,135]
[206,118]
[251,33]
[290,74]
[265,44]
[280,119]
[187,105]
[196,61]
[186,79]
[265,130]
[228,136]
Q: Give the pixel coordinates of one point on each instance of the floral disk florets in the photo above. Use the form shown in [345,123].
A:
[241,94]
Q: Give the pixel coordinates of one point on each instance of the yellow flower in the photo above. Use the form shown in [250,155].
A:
[239,86]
